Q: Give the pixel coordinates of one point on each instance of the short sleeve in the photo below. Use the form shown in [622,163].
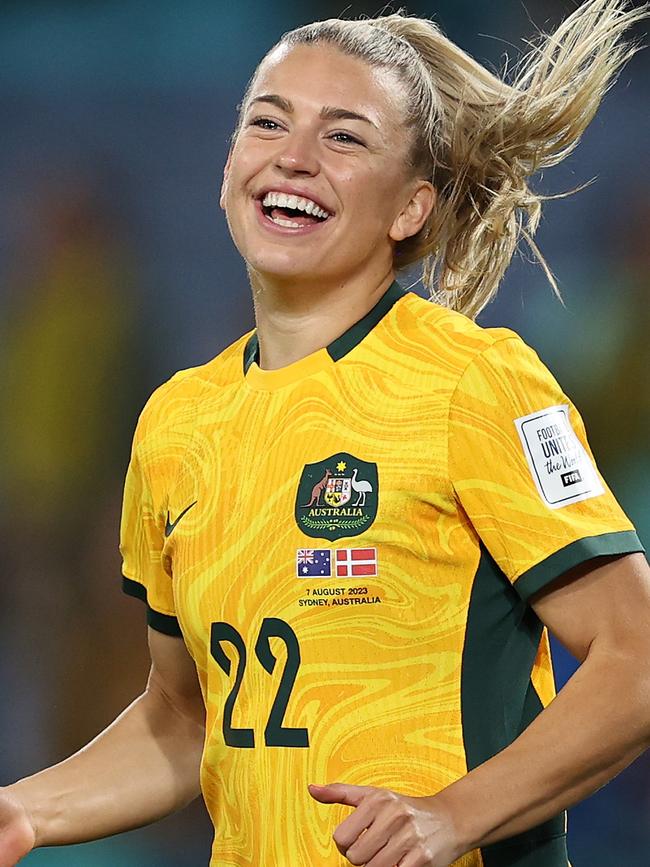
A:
[523,472]
[142,533]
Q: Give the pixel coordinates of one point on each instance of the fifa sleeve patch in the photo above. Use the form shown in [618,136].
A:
[562,470]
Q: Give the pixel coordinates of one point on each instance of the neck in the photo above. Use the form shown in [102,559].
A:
[294,321]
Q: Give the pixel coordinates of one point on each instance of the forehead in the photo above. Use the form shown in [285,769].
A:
[322,75]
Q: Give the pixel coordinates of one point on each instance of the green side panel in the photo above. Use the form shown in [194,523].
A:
[498,700]
[160,622]
[535,852]
[356,333]
[607,544]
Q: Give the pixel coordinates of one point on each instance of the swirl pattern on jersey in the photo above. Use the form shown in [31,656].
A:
[371,673]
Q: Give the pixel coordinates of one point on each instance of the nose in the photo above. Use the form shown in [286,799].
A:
[298,154]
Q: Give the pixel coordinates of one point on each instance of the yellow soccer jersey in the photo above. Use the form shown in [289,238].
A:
[347,546]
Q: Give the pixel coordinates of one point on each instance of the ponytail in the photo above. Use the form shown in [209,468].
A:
[479,138]
[493,137]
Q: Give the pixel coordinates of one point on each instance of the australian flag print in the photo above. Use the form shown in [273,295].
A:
[313,563]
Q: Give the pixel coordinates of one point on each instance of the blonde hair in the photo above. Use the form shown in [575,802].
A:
[479,138]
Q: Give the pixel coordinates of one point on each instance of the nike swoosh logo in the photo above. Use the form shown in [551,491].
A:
[170,527]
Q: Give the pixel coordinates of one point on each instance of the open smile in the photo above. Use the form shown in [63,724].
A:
[290,214]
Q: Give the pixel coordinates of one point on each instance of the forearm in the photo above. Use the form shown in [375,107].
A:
[598,724]
[141,768]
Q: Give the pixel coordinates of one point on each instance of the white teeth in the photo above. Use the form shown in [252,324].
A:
[288,223]
[282,200]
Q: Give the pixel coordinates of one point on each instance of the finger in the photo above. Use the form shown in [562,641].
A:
[369,844]
[340,793]
[351,828]
[386,838]
[391,855]
[15,843]
[410,859]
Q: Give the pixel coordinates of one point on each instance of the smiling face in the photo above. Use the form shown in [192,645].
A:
[317,185]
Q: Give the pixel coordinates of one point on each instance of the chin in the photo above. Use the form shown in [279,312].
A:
[285,268]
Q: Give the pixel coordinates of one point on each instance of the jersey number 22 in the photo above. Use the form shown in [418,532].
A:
[275,734]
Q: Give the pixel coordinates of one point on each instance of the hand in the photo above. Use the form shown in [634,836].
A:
[17,834]
[389,829]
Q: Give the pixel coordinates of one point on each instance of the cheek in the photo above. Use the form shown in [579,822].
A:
[236,197]
[357,195]
[244,164]
[373,207]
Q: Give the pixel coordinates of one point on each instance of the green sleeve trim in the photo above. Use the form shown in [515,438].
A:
[165,623]
[544,573]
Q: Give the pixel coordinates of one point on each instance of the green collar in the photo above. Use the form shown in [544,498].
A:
[340,347]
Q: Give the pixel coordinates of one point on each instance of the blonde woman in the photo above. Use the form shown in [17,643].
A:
[353,527]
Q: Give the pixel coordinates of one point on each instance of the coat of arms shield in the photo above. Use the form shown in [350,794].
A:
[338,491]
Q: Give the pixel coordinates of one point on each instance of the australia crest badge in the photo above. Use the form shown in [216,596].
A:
[337,497]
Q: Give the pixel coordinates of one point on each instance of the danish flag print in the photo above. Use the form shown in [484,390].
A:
[356,561]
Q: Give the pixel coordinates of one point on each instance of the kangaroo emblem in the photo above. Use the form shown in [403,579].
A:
[318,489]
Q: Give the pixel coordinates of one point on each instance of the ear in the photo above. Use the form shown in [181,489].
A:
[411,218]
[224,182]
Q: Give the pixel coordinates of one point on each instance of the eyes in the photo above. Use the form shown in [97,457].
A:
[268,125]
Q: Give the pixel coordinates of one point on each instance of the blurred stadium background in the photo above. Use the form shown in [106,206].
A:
[116,269]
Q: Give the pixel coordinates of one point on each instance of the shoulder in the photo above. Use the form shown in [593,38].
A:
[448,343]
[172,405]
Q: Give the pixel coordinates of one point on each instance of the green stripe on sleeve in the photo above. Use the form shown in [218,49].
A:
[607,544]
[165,623]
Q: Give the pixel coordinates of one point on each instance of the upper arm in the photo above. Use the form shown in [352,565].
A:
[604,602]
[173,674]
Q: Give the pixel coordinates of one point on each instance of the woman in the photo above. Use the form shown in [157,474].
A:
[355,522]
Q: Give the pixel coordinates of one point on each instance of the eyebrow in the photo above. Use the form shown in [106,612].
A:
[328,112]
